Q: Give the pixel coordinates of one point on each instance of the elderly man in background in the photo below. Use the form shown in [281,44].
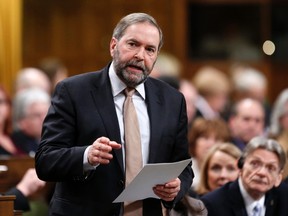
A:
[256,192]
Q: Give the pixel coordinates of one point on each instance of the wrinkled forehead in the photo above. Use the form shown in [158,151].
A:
[269,157]
[143,31]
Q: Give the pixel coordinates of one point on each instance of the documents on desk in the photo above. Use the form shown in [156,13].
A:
[148,177]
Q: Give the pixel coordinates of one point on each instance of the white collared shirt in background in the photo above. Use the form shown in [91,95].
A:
[250,202]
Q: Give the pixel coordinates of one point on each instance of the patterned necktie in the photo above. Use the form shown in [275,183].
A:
[257,210]
[133,153]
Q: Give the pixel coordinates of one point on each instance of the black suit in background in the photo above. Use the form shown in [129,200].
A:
[83,110]
[24,143]
[228,201]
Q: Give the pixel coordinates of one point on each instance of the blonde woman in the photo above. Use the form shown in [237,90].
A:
[219,167]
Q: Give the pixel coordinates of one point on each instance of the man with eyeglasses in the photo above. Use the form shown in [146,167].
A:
[258,191]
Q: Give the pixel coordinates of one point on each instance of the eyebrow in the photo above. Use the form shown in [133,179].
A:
[139,42]
[258,158]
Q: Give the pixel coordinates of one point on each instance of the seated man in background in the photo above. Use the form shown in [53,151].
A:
[246,121]
[256,191]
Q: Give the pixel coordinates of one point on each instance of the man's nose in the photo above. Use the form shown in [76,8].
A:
[262,170]
[140,53]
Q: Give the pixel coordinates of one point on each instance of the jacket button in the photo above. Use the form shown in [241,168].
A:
[121,183]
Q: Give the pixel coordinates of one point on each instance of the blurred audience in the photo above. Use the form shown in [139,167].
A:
[168,69]
[279,123]
[166,65]
[249,82]
[30,107]
[32,77]
[55,69]
[171,80]
[29,185]
[202,136]
[7,146]
[213,87]
[190,93]
[218,168]
[246,121]
[258,188]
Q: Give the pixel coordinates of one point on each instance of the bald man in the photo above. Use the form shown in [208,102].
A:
[32,77]
[246,121]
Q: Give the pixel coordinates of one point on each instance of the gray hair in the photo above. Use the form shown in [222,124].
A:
[24,99]
[277,111]
[266,144]
[134,18]
[245,78]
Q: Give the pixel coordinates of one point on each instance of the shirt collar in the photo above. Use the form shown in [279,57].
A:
[118,85]
[249,201]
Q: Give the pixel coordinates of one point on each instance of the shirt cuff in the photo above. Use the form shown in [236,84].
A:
[86,166]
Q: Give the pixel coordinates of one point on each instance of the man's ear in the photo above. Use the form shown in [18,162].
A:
[113,44]
[279,179]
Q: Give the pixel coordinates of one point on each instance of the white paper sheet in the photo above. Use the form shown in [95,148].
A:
[148,177]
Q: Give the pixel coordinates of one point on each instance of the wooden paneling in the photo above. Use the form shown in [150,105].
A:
[79,32]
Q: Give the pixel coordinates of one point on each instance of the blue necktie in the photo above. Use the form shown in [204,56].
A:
[257,210]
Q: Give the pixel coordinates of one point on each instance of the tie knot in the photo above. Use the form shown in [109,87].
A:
[129,91]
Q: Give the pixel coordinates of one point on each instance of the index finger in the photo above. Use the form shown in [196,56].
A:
[114,145]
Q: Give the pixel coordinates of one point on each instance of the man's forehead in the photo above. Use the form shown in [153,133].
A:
[143,29]
[247,104]
[264,155]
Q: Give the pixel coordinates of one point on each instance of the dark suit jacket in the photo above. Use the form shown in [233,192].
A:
[82,110]
[228,201]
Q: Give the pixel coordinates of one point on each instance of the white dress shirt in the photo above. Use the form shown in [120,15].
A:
[250,202]
[141,108]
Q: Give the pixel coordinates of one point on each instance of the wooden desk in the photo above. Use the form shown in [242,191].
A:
[16,168]
[7,205]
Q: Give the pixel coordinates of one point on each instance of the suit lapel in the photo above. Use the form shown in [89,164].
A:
[270,203]
[237,202]
[103,98]
[154,100]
